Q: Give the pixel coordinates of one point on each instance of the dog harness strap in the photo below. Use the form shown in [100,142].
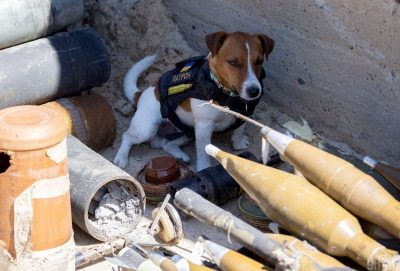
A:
[192,78]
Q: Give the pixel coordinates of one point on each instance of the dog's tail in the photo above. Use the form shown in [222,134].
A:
[131,77]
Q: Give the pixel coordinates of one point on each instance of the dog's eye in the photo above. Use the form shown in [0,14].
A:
[233,63]
[259,61]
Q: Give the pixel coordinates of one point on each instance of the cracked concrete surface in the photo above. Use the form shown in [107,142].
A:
[335,63]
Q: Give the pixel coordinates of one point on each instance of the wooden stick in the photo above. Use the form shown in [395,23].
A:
[240,116]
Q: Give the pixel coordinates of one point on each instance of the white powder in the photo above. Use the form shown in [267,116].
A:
[117,213]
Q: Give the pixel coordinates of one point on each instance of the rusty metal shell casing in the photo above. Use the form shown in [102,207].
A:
[356,191]
[229,260]
[89,118]
[35,210]
[305,210]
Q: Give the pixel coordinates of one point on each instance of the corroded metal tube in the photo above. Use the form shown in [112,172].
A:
[90,173]
[89,118]
[49,68]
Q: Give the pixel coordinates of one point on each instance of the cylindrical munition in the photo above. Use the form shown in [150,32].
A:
[106,201]
[184,264]
[229,260]
[305,210]
[129,260]
[195,205]
[353,189]
[161,261]
[309,254]
[268,248]
[46,69]
[26,20]
[89,118]
[35,210]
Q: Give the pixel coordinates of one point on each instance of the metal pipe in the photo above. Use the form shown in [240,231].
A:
[90,173]
[46,69]
[26,20]
[253,239]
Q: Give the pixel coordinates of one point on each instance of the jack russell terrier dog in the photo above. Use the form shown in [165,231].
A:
[231,75]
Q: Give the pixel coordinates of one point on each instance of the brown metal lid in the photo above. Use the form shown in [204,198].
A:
[163,169]
[30,127]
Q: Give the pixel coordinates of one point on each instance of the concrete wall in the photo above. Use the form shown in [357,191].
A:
[336,63]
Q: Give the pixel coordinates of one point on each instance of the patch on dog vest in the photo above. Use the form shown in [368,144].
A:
[178,88]
[184,74]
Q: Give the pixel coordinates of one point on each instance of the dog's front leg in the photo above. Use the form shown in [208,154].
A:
[203,133]
[239,140]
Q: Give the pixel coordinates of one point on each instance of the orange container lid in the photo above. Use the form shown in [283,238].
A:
[30,127]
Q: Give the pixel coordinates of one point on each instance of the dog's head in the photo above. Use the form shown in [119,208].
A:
[237,59]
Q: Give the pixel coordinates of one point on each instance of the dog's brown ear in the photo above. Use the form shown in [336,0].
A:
[267,44]
[214,41]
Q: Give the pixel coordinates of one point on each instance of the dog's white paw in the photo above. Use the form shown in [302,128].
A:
[241,143]
[182,157]
[120,161]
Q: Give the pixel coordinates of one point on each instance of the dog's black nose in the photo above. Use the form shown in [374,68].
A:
[253,91]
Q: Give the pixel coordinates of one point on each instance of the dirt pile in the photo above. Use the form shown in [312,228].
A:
[133,29]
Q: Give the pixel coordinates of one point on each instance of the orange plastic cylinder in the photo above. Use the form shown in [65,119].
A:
[34,183]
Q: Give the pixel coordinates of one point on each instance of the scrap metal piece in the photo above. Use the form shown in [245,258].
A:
[158,215]
[98,252]
[170,225]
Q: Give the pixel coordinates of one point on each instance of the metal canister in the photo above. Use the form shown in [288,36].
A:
[250,212]
[35,210]
[89,118]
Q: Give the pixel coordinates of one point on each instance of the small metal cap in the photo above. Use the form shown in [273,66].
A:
[30,127]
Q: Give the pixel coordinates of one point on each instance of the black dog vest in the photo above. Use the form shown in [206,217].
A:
[191,78]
